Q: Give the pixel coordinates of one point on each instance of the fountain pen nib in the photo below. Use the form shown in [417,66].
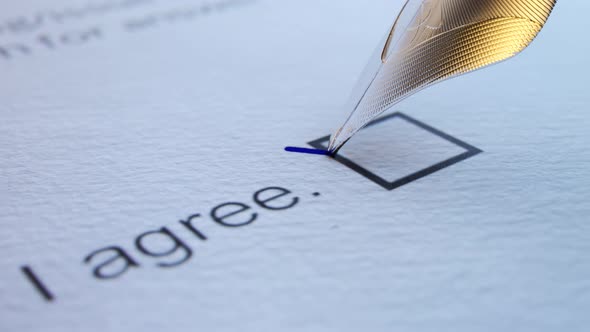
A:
[336,142]
[434,40]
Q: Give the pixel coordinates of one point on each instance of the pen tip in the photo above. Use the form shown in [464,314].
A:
[338,140]
[333,145]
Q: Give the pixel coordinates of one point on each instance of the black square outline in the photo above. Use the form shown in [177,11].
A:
[471,151]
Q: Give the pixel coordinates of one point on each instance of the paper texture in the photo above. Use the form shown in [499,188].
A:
[143,181]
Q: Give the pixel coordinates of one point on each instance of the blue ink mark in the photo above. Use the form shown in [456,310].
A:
[308,151]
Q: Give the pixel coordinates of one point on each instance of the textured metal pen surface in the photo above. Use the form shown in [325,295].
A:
[433,40]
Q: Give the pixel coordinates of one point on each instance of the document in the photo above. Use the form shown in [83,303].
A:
[145,186]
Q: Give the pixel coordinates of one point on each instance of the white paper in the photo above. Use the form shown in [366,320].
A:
[126,117]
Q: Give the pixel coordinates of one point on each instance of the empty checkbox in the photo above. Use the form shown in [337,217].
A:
[396,149]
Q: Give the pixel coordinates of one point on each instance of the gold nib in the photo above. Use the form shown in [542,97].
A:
[434,40]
